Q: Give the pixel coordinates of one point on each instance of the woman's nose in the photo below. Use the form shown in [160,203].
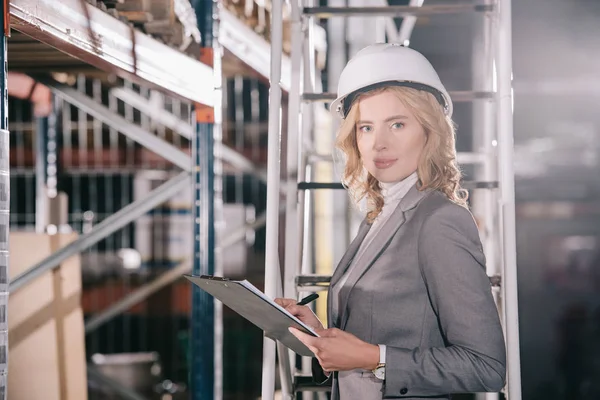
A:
[381,140]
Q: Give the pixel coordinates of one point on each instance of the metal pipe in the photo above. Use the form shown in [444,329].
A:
[507,185]
[115,121]
[171,121]
[157,113]
[330,209]
[41,197]
[247,45]
[105,228]
[273,191]
[394,11]
[408,24]
[242,163]
[291,264]
[204,242]
[389,29]
[306,128]
[484,202]
[218,218]
[285,356]
[306,142]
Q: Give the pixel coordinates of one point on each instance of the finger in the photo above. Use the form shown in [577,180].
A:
[304,338]
[323,365]
[329,333]
[319,330]
[284,302]
[295,310]
[327,366]
[312,348]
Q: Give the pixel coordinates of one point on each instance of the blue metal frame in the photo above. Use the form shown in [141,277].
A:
[202,339]
[203,313]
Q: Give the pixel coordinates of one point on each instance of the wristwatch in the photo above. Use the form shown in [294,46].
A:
[379,370]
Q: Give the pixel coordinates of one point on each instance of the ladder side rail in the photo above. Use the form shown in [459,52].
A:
[305,145]
[292,222]
[285,356]
[507,192]
[272,275]
[484,202]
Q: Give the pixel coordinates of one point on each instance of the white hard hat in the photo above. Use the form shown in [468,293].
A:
[385,64]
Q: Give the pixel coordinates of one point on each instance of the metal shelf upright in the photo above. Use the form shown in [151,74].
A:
[4,208]
[207,326]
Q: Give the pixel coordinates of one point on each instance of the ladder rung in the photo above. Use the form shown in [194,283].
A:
[325,97]
[317,157]
[336,185]
[463,96]
[472,158]
[313,280]
[306,384]
[319,185]
[396,11]
[468,96]
[479,184]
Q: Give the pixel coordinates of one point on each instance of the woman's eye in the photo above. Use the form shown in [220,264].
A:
[397,125]
[365,129]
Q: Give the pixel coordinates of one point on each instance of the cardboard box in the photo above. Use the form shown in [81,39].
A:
[45,324]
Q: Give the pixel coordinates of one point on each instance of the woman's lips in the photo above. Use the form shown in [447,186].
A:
[383,163]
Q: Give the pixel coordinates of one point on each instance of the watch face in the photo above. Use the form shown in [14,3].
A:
[379,373]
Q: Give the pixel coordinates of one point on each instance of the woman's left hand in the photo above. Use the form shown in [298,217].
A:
[337,350]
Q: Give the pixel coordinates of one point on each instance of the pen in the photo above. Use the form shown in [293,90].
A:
[308,299]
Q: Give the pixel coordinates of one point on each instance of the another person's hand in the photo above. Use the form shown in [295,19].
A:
[337,350]
[303,313]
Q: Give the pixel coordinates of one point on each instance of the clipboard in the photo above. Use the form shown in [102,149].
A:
[252,304]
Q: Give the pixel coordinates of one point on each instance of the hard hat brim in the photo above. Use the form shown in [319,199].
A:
[342,104]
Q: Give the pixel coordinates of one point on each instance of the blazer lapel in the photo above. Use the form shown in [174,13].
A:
[345,262]
[377,246]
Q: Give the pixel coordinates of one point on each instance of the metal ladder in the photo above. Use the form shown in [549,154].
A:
[493,189]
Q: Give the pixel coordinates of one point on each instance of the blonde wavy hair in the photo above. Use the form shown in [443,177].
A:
[437,168]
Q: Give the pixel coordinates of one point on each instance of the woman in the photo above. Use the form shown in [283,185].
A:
[410,309]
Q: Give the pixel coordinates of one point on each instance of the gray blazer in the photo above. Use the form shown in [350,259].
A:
[421,289]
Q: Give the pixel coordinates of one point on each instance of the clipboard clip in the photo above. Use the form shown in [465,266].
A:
[215,278]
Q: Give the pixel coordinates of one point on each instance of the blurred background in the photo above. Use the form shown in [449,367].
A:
[82,117]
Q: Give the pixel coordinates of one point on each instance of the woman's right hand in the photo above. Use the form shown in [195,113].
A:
[303,313]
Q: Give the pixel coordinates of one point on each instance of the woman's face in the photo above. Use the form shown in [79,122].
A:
[390,139]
